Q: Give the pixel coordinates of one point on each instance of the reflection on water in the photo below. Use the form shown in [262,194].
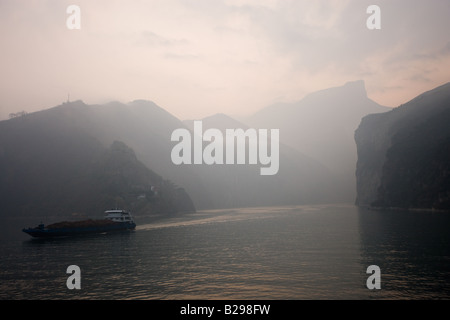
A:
[411,248]
[305,252]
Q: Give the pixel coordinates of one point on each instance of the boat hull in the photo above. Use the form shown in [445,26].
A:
[75,231]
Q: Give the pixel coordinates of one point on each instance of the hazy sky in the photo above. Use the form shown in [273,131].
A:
[197,58]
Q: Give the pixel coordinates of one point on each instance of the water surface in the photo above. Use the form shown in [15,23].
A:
[301,252]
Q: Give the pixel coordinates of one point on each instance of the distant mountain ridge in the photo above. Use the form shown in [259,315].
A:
[322,126]
[317,152]
[300,179]
[53,164]
[404,154]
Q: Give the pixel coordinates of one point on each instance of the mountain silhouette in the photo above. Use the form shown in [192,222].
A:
[300,179]
[62,161]
[322,126]
[404,154]
[54,154]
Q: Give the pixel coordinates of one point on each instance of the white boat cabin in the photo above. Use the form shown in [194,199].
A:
[118,215]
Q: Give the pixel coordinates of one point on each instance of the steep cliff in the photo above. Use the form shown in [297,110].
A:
[322,126]
[404,154]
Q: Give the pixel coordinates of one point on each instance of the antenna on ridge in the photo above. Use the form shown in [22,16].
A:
[68,97]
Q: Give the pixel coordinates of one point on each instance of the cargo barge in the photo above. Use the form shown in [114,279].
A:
[114,220]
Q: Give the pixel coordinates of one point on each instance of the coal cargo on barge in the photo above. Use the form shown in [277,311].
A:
[114,220]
